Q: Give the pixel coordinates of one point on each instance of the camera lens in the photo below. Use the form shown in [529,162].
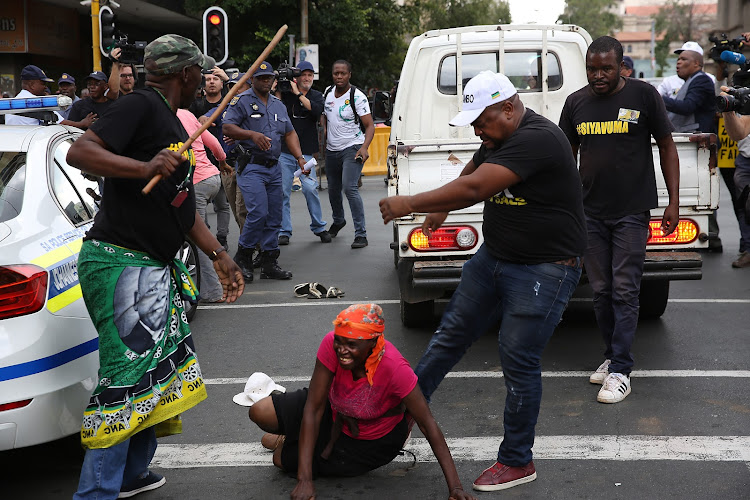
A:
[725,103]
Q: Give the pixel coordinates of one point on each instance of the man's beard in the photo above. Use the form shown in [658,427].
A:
[304,87]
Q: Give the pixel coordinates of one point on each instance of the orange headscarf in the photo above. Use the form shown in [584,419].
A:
[361,322]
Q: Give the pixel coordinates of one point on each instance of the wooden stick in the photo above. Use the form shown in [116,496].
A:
[224,102]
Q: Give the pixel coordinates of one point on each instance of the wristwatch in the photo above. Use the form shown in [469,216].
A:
[300,95]
[215,254]
[300,157]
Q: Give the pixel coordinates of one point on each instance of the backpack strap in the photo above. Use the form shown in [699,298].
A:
[354,107]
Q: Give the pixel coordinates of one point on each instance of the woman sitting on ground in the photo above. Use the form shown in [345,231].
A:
[356,415]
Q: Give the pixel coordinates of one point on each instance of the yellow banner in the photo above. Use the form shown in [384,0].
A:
[727,147]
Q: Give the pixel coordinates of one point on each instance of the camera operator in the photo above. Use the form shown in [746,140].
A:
[122,77]
[738,129]
[304,106]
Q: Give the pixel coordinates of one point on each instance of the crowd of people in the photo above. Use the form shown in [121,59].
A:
[576,205]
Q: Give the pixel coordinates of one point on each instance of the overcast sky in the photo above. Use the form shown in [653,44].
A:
[538,11]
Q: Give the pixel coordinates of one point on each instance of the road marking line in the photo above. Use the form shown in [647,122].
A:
[324,303]
[484,449]
[569,374]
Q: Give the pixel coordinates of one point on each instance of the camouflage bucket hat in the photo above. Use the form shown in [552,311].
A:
[171,53]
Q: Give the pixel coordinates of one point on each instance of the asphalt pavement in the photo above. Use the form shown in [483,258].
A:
[684,432]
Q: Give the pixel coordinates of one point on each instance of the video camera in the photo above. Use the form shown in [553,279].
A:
[284,75]
[130,53]
[728,51]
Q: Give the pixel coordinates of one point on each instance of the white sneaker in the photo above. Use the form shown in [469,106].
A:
[601,373]
[615,388]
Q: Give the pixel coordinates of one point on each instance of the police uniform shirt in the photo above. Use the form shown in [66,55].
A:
[248,112]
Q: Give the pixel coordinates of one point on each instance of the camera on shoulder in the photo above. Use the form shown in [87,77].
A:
[729,52]
[284,76]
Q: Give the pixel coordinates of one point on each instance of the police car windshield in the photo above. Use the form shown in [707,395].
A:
[12,181]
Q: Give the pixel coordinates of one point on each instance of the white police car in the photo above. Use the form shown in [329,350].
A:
[48,345]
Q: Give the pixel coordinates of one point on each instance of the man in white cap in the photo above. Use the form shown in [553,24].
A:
[526,270]
[693,108]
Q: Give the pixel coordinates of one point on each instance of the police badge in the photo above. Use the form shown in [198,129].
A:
[255,107]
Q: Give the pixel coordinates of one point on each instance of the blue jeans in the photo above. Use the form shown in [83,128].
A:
[342,172]
[289,165]
[530,300]
[105,470]
[261,190]
[614,260]
[742,179]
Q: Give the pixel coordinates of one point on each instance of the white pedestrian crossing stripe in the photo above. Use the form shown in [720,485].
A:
[499,374]
[484,449]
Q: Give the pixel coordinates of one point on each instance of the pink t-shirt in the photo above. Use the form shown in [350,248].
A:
[203,167]
[394,380]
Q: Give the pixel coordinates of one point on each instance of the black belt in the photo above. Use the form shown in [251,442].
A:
[261,160]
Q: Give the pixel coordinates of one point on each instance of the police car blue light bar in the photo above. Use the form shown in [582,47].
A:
[22,104]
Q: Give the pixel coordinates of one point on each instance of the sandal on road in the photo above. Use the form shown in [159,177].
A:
[304,290]
[317,291]
[334,293]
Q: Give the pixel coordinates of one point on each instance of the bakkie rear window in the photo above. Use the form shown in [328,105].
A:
[523,68]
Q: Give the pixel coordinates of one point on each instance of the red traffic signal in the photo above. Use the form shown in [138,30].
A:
[216,34]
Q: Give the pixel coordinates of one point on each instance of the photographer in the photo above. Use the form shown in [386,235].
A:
[304,106]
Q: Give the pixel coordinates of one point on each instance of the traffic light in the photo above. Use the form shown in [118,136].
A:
[106,30]
[216,34]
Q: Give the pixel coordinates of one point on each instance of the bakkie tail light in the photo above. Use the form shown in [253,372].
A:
[445,238]
[686,232]
[23,289]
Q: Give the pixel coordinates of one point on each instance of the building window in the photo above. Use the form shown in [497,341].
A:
[630,48]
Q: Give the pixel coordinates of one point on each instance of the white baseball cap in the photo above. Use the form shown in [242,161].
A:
[694,46]
[257,387]
[485,89]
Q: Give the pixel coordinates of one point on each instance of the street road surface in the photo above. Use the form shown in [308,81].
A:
[684,432]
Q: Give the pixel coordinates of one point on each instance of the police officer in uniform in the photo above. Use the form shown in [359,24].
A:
[258,121]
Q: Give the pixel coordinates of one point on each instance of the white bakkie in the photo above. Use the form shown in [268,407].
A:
[49,355]
[546,64]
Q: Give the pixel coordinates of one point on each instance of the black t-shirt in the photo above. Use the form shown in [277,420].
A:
[201,106]
[614,137]
[82,108]
[540,219]
[304,121]
[138,126]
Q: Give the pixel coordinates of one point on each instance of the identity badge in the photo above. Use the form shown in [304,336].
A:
[628,115]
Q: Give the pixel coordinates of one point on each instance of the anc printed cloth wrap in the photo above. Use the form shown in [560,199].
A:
[148,369]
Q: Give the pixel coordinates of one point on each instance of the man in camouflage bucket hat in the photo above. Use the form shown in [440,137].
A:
[133,287]
[171,53]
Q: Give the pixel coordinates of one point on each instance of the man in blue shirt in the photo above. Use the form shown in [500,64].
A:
[67,86]
[258,121]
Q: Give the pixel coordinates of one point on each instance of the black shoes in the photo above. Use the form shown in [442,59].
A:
[335,228]
[359,242]
[283,239]
[269,267]
[223,241]
[244,260]
[325,236]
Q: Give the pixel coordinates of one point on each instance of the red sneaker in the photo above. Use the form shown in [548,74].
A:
[500,477]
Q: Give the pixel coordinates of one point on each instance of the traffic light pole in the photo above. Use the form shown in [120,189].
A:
[95,35]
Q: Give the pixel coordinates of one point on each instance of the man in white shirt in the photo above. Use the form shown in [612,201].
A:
[346,149]
[33,83]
